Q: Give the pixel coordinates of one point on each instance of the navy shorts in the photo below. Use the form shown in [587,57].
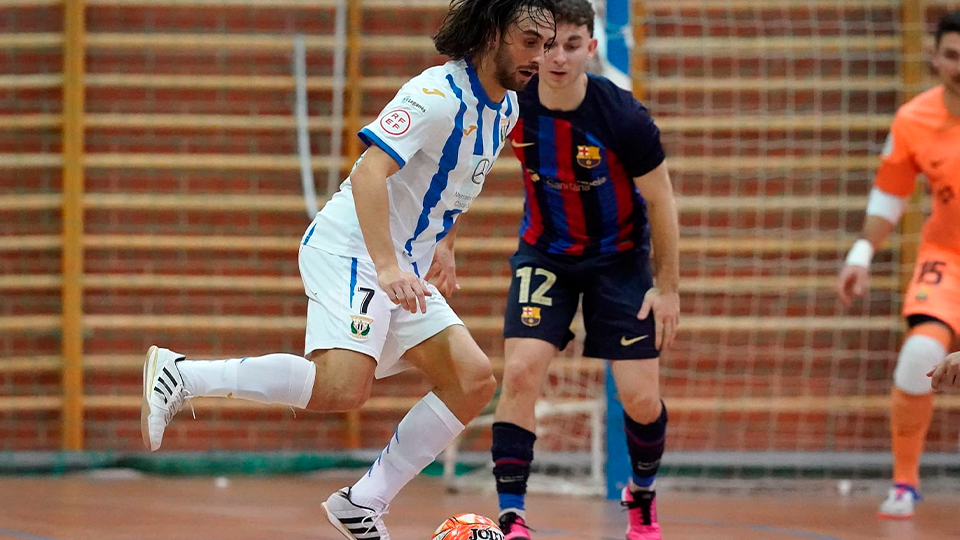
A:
[545,291]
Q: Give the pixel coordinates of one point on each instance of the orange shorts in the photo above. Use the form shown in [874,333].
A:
[935,287]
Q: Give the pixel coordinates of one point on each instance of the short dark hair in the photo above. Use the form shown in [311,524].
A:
[948,24]
[471,24]
[576,12]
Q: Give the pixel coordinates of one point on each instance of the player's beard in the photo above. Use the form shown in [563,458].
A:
[506,72]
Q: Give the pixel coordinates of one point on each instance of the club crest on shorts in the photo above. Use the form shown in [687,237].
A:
[360,327]
[922,294]
[530,316]
[588,156]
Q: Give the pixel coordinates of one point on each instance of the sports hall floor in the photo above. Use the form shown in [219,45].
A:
[85,507]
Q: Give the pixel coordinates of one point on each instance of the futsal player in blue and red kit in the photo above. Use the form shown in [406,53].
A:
[597,193]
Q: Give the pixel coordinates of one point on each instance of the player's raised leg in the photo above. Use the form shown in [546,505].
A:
[331,381]
[337,376]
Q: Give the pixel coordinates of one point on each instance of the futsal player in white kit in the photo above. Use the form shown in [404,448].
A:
[363,259]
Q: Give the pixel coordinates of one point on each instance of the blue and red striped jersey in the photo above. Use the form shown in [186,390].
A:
[578,171]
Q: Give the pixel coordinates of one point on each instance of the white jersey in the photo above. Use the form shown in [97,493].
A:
[445,133]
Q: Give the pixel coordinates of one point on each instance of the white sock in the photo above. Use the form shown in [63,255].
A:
[275,378]
[517,511]
[423,433]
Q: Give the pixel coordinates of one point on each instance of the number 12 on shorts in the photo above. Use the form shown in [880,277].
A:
[539,295]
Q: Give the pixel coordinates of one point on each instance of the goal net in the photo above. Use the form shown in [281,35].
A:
[773,115]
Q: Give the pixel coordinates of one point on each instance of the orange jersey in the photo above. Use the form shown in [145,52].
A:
[925,138]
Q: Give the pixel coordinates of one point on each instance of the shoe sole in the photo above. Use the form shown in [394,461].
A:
[336,523]
[894,517]
[149,372]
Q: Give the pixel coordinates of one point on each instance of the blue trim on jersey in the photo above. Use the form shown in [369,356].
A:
[448,220]
[478,90]
[548,166]
[478,144]
[416,272]
[309,234]
[448,162]
[607,194]
[370,138]
[353,279]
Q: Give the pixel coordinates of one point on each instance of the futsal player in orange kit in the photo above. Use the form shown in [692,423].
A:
[924,138]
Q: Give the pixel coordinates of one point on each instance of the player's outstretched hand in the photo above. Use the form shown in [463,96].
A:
[404,289]
[946,375]
[666,315]
[443,270]
[853,283]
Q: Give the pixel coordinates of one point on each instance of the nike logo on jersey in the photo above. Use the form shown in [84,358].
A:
[521,144]
[434,92]
[628,342]
[469,130]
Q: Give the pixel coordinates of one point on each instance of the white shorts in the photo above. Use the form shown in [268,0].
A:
[347,309]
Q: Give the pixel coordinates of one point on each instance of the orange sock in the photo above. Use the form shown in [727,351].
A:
[909,420]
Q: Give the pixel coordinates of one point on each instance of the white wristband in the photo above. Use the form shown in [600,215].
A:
[860,254]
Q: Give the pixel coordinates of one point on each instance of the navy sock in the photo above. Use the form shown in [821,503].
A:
[645,443]
[512,453]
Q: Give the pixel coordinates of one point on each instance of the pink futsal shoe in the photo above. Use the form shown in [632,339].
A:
[513,527]
[900,502]
[642,510]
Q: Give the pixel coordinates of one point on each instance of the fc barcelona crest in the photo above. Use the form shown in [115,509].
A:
[530,316]
[360,327]
[588,156]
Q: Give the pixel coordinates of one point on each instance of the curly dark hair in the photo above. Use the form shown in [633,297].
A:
[470,24]
[948,24]
[575,12]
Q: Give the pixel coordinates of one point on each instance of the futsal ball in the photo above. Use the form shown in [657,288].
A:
[468,527]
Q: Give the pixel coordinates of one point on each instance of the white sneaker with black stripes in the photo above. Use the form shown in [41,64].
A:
[163,394]
[354,521]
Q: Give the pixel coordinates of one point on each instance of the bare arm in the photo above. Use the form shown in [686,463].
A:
[664,299]
[443,270]
[369,181]
[894,182]
[854,278]
[876,230]
[451,236]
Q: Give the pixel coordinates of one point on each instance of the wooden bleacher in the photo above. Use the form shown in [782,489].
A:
[196,247]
